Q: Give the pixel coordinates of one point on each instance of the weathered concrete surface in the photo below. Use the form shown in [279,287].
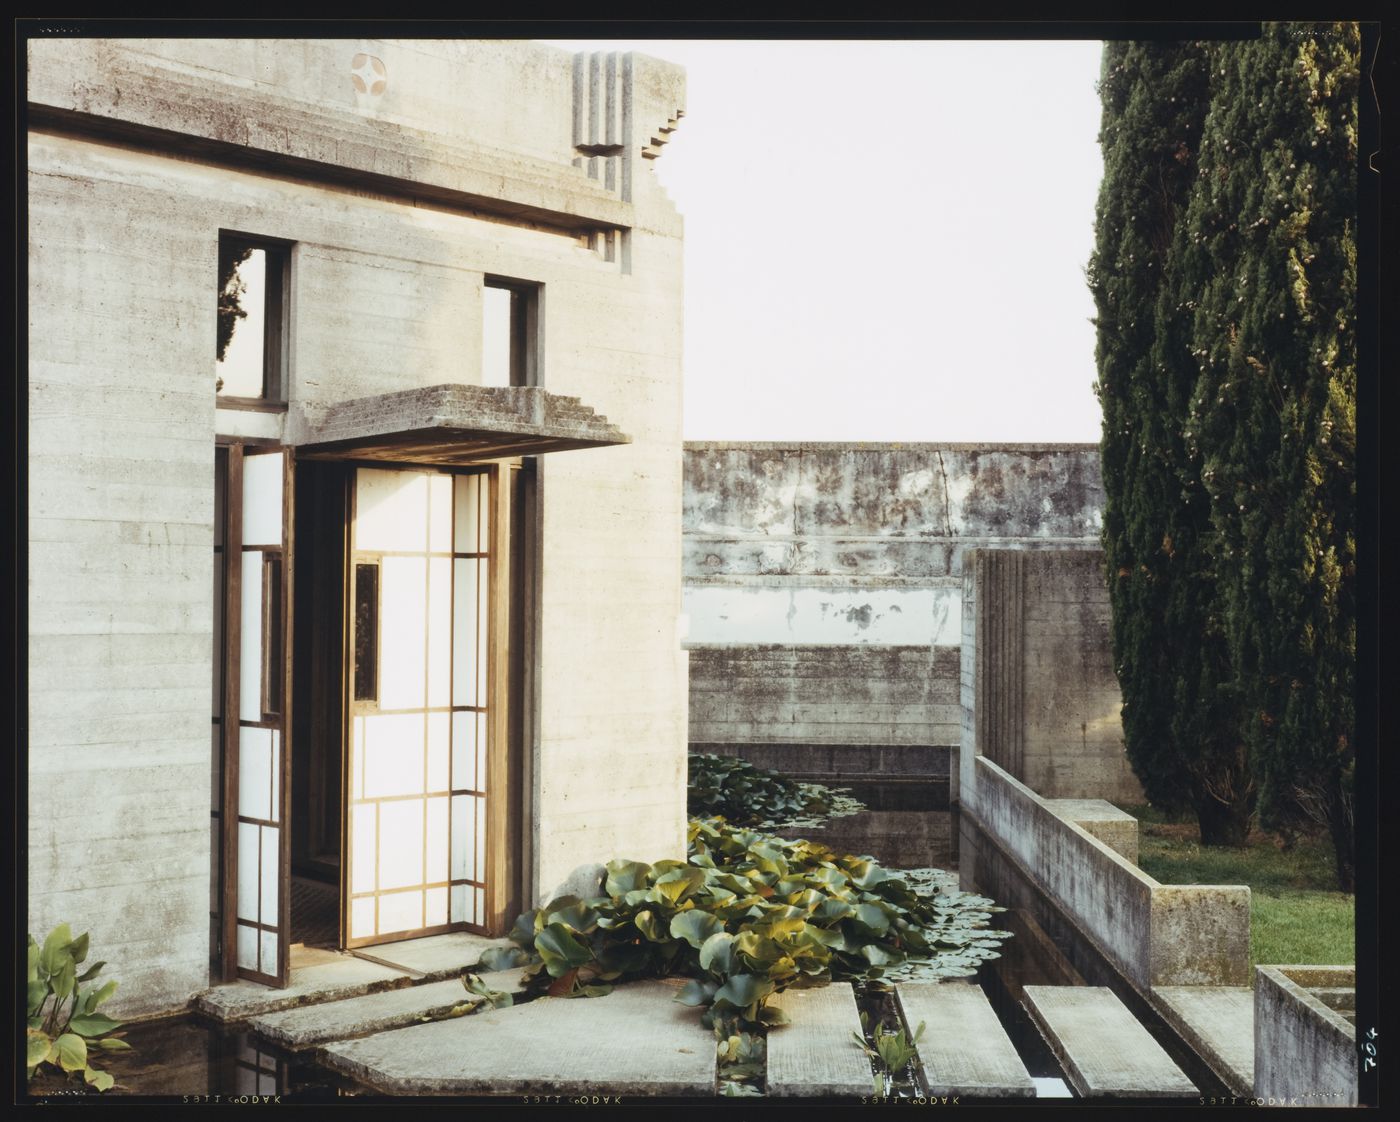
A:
[815,1055]
[435,956]
[964,1050]
[636,1041]
[1156,934]
[1040,697]
[1218,1023]
[1102,1048]
[833,696]
[1115,828]
[308,1025]
[387,296]
[837,762]
[1303,1050]
[347,976]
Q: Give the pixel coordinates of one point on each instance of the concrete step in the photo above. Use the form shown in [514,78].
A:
[338,977]
[1218,1023]
[964,1050]
[1101,1046]
[636,1041]
[815,1055]
[433,958]
[305,1027]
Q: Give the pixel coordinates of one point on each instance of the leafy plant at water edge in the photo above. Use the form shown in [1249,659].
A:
[748,915]
[896,1051]
[64,1024]
[752,796]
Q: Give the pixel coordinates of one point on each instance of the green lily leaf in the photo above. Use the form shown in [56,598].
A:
[93,1024]
[695,927]
[102,1080]
[744,989]
[560,951]
[625,876]
[697,991]
[37,1048]
[502,958]
[647,923]
[70,1052]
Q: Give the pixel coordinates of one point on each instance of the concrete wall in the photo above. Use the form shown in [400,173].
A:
[1155,934]
[1304,1052]
[814,572]
[1039,693]
[397,206]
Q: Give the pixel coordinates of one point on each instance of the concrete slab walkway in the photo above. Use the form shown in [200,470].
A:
[1101,1046]
[636,1041]
[296,1029]
[815,1055]
[1218,1023]
[964,1050]
[434,957]
[330,979]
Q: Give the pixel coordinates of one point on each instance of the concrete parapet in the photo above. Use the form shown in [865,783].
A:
[1155,934]
[1304,1052]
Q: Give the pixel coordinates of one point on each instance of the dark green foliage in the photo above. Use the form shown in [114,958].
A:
[749,796]
[1225,279]
[746,916]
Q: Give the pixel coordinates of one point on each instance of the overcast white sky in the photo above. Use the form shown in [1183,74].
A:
[885,240]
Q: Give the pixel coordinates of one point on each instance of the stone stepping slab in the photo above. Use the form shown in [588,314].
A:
[636,1041]
[1101,1046]
[305,1027]
[433,958]
[964,1050]
[815,1055]
[1218,1023]
[342,977]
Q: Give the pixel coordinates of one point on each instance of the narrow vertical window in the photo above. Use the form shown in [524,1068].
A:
[366,632]
[272,668]
[248,356]
[510,333]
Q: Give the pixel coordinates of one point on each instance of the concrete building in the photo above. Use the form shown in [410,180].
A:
[825,589]
[354,403]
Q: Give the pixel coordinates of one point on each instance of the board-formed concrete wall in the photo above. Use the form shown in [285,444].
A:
[1040,695]
[1304,1052]
[397,207]
[823,585]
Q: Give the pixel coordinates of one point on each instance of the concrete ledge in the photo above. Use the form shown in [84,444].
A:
[433,957]
[1303,1049]
[1156,934]
[1115,828]
[815,1055]
[1218,1023]
[636,1041]
[345,976]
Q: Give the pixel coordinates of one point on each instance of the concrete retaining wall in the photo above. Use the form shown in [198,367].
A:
[1303,1050]
[1156,934]
[823,587]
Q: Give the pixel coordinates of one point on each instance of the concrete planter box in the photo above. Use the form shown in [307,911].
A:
[1304,1050]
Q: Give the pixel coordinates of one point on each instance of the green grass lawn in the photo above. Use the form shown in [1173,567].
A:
[1296,913]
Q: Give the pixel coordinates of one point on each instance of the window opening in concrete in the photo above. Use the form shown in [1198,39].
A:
[249,350]
[509,333]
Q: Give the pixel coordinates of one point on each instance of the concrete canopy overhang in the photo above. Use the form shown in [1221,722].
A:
[450,425]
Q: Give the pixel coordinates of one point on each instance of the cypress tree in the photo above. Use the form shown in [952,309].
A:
[1271,250]
[1169,645]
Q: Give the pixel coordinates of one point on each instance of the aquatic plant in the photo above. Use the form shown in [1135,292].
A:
[746,916]
[64,1024]
[746,795]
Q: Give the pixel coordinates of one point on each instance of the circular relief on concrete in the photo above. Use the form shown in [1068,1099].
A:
[368,74]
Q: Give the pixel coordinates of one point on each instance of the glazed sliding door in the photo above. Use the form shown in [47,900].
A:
[257,693]
[418,594]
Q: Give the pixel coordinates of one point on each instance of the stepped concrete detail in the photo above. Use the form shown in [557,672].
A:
[1105,1053]
[296,1029]
[337,977]
[1218,1023]
[1117,829]
[815,1055]
[636,1041]
[964,1050]
[434,957]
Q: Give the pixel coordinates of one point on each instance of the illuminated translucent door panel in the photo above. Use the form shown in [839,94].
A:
[418,589]
[260,891]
